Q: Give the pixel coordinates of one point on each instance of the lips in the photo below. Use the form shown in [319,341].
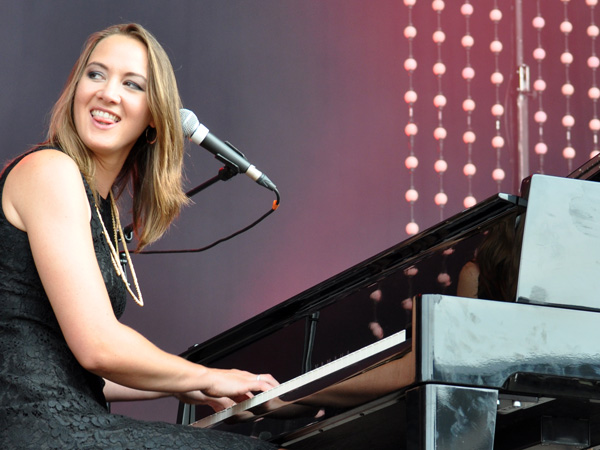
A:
[104,116]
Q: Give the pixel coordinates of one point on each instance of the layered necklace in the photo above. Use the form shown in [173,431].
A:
[114,254]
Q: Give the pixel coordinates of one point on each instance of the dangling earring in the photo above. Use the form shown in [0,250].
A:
[152,140]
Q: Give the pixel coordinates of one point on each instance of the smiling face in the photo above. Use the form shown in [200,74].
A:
[110,108]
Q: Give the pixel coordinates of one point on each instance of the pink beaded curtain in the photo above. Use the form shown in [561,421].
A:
[463,131]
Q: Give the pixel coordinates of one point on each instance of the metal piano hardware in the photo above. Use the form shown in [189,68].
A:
[472,373]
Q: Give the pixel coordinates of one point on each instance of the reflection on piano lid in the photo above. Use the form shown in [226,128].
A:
[333,318]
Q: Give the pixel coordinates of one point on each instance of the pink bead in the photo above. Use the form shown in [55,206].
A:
[444,279]
[496,46]
[439,69]
[411,129]
[468,105]
[566,27]
[469,201]
[466,9]
[440,166]
[411,195]
[539,85]
[568,153]
[410,64]
[412,228]
[468,73]
[440,133]
[497,110]
[440,199]
[469,169]
[540,117]
[497,78]
[376,295]
[498,175]
[594,93]
[411,271]
[568,121]
[497,142]
[410,97]
[495,15]
[593,62]
[593,31]
[376,330]
[439,37]
[410,32]
[467,41]
[539,54]
[541,148]
[595,124]
[594,153]
[538,22]
[439,101]
[469,137]
[411,162]
[566,58]
[567,89]
[410,2]
[591,2]
[438,5]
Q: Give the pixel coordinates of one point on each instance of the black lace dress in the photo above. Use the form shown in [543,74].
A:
[47,400]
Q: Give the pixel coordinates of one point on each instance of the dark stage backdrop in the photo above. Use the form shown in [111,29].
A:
[313,92]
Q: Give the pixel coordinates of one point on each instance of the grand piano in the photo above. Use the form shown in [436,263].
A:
[385,355]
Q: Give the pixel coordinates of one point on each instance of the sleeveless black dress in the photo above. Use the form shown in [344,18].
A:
[47,399]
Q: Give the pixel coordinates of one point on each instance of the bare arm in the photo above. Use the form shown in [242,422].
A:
[44,196]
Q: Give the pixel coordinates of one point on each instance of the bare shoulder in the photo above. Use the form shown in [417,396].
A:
[43,178]
[47,163]
[468,280]
[470,269]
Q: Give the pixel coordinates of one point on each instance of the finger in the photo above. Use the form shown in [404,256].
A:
[265,381]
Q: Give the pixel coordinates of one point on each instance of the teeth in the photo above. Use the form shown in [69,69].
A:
[105,115]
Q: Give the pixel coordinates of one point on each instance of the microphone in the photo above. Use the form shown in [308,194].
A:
[223,151]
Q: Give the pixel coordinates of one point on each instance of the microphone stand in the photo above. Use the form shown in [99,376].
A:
[225,173]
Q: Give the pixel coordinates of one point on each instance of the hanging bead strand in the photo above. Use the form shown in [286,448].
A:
[539,86]
[593,92]
[566,58]
[497,79]
[468,105]
[411,129]
[439,101]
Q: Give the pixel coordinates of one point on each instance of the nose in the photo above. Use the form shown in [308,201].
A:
[109,93]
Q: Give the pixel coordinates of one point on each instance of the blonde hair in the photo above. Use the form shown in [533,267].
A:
[153,168]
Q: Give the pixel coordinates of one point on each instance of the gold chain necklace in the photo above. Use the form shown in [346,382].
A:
[114,255]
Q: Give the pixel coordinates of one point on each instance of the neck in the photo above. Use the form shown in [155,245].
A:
[106,174]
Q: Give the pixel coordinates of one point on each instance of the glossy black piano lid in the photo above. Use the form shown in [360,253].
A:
[590,170]
[349,303]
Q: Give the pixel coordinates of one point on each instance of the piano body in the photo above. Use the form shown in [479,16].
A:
[449,372]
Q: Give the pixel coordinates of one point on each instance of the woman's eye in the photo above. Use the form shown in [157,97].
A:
[133,85]
[94,75]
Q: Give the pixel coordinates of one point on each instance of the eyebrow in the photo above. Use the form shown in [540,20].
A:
[105,67]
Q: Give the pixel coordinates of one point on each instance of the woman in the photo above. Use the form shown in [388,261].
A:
[63,353]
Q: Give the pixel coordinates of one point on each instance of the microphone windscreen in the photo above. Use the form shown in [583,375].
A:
[189,122]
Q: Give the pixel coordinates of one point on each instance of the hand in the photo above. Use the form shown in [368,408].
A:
[236,384]
[199,398]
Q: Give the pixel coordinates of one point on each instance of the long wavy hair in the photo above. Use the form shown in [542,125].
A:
[153,168]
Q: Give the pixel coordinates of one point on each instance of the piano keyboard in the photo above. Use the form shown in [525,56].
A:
[343,367]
